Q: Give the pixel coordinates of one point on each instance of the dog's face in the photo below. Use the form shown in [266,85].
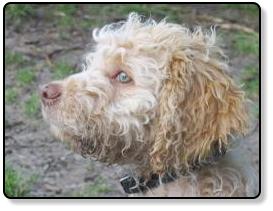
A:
[114,99]
[147,93]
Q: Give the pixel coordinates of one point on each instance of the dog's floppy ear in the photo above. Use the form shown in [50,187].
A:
[200,108]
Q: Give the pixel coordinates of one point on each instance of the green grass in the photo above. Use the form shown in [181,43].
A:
[25,76]
[251,9]
[69,16]
[15,184]
[66,13]
[67,9]
[10,95]
[12,58]
[121,11]
[61,70]
[32,105]
[99,188]
[250,79]
[246,43]
[18,10]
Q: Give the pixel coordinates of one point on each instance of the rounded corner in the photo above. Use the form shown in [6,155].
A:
[5,5]
[258,195]
[6,195]
[256,4]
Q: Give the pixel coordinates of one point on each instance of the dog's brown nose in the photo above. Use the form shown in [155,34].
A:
[51,91]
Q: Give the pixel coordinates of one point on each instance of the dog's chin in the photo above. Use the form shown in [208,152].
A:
[78,144]
[50,116]
[56,124]
[60,134]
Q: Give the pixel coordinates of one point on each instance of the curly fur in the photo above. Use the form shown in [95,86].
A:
[180,112]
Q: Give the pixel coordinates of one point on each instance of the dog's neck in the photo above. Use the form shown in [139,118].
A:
[132,185]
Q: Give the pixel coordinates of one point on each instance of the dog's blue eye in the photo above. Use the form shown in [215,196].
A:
[123,77]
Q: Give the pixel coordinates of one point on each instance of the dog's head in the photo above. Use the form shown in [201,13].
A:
[154,94]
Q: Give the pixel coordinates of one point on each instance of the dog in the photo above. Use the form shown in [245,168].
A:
[157,96]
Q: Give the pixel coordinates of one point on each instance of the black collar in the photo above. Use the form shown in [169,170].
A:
[131,184]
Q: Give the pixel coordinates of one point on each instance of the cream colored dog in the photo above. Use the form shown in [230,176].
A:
[156,96]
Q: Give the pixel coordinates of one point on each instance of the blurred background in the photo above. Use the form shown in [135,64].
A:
[44,42]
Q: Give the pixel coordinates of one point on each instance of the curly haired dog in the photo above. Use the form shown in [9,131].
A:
[157,96]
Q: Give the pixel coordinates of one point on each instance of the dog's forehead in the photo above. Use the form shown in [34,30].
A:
[127,39]
[108,56]
[114,53]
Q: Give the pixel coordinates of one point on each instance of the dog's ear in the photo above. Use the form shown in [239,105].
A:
[200,108]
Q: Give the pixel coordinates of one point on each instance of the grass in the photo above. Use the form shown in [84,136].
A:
[17,14]
[25,76]
[122,10]
[97,189]
[10,95]
[251,9]
[66,13]
[15,184]
[14,58]
[62,69]
[32,105]
[67,9]
[246,43]
[250,79]
[19,11]
[69,15]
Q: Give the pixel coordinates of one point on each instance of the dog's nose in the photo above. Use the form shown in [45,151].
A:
[51,91]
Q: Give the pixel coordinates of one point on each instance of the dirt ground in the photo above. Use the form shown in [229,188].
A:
[50,40]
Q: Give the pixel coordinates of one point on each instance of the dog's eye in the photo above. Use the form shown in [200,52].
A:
[123,77]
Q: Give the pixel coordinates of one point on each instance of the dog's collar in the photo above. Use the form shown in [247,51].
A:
[131,184]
